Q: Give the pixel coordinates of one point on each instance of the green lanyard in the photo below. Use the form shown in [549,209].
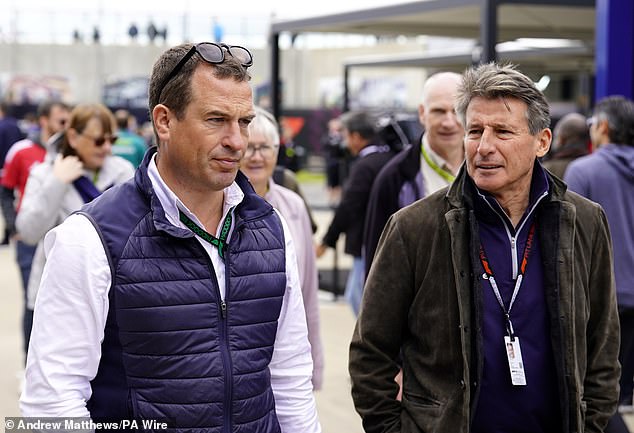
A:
[441,172]
[220,243]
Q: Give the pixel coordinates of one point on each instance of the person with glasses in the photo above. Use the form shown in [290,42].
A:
[505,255]
[52,117]
[81,169]
[259,165]
[175,297]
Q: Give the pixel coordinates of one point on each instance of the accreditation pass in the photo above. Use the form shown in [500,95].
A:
[514,356]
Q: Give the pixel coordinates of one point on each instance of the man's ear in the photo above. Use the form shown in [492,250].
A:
[603,127]
[421,114]
[161,117]
[544,139]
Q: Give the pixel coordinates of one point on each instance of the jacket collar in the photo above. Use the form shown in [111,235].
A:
[463,191]
[409,165]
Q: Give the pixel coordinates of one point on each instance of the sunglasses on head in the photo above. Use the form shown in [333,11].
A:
[100,141]
[211,53]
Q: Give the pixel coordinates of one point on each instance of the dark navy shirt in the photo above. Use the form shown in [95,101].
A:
[503,407]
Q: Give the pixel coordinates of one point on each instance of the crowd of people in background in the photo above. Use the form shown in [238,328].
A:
[488,230]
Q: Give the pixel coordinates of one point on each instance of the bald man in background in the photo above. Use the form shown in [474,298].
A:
[423,167]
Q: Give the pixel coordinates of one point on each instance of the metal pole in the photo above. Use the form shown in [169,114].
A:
[276,97]
[488,30]
[346,88]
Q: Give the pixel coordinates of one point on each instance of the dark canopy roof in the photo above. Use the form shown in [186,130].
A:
[570,19]
[488,21]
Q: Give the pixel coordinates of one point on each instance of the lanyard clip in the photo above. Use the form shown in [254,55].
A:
[509,326]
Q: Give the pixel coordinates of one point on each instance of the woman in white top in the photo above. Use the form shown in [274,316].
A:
[82,168]
[258,165]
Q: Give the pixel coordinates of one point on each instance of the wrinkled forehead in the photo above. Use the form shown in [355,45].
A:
[502,107]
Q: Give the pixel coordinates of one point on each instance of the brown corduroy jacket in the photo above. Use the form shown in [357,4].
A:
[418,305]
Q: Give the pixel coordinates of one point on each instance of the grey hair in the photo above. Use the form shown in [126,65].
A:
[265,124]
[494,81]
[619,112]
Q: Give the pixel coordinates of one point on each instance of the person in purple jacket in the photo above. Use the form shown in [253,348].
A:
[495,293]
[607,177]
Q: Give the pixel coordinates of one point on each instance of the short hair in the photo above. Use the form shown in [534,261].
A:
[79,118]
[177,92]
[45,107]
[122,117]
[493,81]
[265,124]
[360,122]
[571,129]
[619,112]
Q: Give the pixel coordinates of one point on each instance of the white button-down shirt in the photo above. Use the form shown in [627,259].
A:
[72,307]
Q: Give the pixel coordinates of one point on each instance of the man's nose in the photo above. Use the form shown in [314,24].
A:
[487,143]
[234,136]
[450,118]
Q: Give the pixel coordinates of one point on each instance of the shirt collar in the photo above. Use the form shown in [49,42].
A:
[171,204]
[373,148]
[437,159]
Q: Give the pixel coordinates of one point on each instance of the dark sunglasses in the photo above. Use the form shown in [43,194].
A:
[211,53]
[101,140]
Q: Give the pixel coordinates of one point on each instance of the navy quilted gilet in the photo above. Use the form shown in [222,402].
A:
[171,352]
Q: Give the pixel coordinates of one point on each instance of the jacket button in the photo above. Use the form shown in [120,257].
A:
[463,385]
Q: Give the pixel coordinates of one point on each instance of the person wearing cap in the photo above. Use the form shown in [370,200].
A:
[175,296]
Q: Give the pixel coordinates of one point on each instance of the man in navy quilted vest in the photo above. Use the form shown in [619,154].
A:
[175,297]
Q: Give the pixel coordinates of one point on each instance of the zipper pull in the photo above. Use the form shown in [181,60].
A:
[223,309]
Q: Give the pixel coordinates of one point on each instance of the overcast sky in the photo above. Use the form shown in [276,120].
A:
[244,21]
[281,8]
